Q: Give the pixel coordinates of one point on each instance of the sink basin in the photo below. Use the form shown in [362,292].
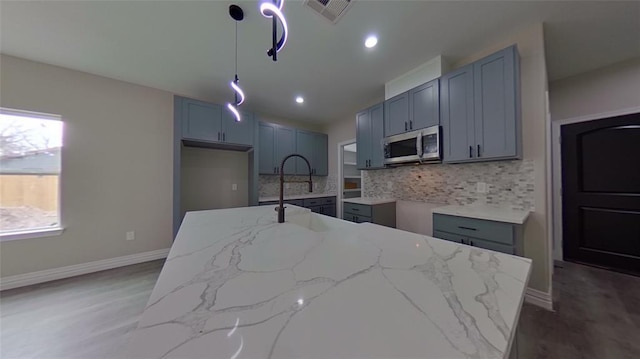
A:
[316,222]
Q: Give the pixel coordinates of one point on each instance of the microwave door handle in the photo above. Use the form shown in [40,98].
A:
[419,145]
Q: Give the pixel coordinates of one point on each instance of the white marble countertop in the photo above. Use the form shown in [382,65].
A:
[236,284]
[490,213]
[368,201]
[299,196]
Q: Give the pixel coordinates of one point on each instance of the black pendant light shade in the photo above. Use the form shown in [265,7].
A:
[237,14]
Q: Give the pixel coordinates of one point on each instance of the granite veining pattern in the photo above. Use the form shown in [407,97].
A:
[509,183]
[269,186]
[237,284]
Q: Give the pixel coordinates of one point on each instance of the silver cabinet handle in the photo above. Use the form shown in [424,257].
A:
[478,150]
[410,124]
[218,136]
[223,136]
[470,151]
[405,125]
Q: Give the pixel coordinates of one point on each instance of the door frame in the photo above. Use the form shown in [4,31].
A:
[340,174]
[556,171]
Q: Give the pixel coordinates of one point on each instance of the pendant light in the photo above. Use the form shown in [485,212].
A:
[236,14]
[273,10]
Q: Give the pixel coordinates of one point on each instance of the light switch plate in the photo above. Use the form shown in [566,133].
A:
[481,187]
[131,235]
[234,187]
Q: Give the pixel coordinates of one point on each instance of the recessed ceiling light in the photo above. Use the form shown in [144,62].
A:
[299,99]
[371,41]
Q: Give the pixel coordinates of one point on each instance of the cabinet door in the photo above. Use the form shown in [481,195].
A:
[450,237]
[376,152]
[267,148]
[285,145]
[496,121]
[481,243]
[456,108]
[363,138]
[201,120]
[424,105]
[396,114]
[305,143]
[321,155]
[329,210]
[241,132]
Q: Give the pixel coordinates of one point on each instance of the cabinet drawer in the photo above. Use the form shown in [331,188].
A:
[357,209]
[475,242]
[318,201]
[315,209]
[295,202]
[328,200]
[356,218]
[449,236]
[477,228]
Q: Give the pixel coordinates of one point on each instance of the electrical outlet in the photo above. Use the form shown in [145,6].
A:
[481,187]
[389,185]
[131,235]
[315,185]
[286,186]
[234,187]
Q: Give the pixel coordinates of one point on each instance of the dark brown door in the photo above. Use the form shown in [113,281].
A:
[601,192]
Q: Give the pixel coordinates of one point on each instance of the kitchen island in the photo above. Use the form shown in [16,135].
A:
[237,284]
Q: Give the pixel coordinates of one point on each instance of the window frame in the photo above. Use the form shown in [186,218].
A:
[42,231]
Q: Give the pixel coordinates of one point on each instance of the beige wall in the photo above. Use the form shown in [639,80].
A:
[116,165]
[207,176]
[611,88]
[339,131]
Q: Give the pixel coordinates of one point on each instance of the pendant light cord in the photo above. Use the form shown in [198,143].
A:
[236,51]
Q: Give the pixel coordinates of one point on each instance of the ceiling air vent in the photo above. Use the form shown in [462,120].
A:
[331,10]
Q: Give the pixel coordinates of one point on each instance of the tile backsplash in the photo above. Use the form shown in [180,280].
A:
[509,183]
[269,186]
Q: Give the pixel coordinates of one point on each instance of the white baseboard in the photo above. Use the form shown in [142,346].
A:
[22,280]
[539,298]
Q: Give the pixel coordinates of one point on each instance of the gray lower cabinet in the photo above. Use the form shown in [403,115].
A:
[321,205]
[496,236]
[383,214]
[480,110]
[369,136]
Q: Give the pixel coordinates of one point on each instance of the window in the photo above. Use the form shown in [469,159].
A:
[30,145]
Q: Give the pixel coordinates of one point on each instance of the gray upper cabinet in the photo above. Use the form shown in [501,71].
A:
[457,123]
[267,148]
[235,132]
[321,155]
[480,110]
[207,122]
[396,115]
[376,152]
[497,115]
[201,120]
[369,136]
[306,147]
[313,146]
[424,105]
[277,142]
[363,138]
[285,145]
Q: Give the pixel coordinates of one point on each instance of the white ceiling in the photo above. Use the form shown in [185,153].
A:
[187,47]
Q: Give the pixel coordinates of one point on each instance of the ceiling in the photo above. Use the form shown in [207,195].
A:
[187,47]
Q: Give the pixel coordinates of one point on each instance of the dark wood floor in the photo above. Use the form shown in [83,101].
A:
[597,316]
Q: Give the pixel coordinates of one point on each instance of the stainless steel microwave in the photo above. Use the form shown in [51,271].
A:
[416,146]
